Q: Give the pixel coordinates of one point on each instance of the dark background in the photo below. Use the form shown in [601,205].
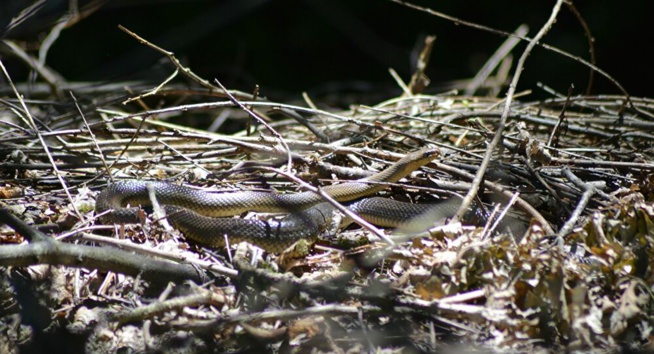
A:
[342,48]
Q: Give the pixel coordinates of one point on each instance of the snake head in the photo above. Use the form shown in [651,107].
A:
[421,157]
[429,152]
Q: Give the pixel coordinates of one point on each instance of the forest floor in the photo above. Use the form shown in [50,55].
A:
[577,170]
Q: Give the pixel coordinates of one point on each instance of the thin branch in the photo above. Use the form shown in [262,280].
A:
[149,251]
[368,226]
[500,191]
[490,150]
[45,250]
[525,38]
[91,134]
[289,160]
[186,71]
[46,149]
[149,311]
[495,60]
[589,188]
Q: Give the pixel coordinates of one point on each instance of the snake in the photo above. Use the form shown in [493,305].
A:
[204,217]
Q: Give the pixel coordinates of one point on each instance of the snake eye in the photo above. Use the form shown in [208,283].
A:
[430,152]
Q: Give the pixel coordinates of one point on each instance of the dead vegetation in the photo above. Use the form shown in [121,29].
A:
[580,168]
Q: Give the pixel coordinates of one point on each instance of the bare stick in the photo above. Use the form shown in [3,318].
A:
[419,81]
[186,71]
[495,60]
[589,188]
[474,188]
[91,134]
[521,203]
[45,250]
[525,38]
[36,131]
[151,310]
[370,227]
[289,160]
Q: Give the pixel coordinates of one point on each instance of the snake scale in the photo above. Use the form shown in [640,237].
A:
[202,215]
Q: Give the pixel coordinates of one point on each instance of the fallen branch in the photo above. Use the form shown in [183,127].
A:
[45,250]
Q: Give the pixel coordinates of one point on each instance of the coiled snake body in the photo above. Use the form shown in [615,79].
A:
[200,214]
